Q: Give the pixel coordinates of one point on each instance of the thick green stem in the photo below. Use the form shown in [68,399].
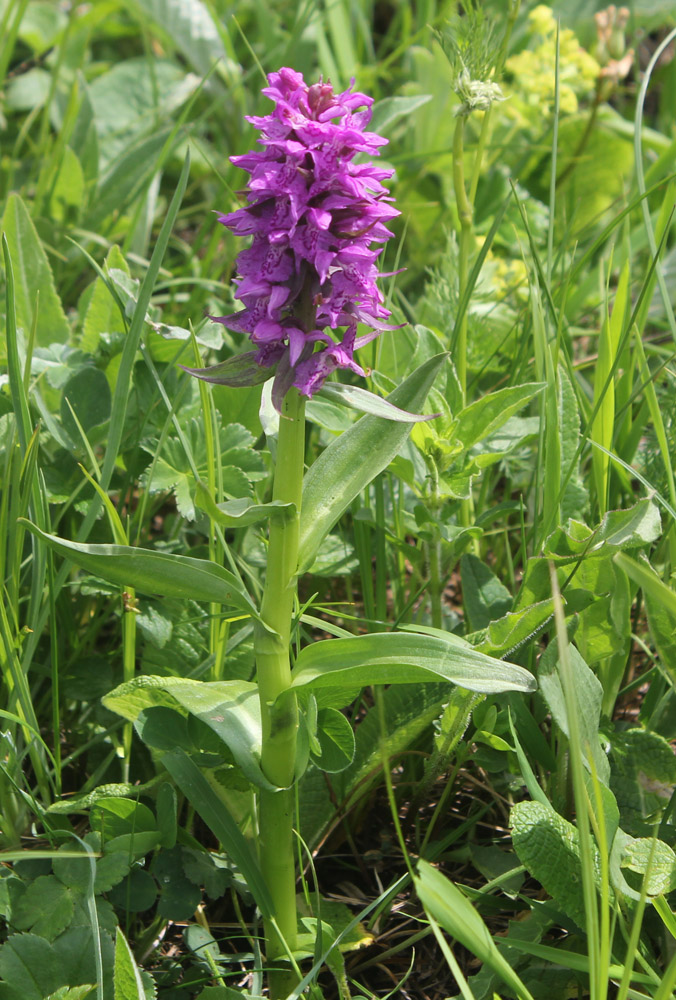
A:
[280,723]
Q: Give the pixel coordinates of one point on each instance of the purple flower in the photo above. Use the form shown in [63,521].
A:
[314,215]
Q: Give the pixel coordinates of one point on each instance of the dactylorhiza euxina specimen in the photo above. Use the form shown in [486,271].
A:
[309,277]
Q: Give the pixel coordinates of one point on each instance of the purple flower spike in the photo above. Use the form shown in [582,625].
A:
[313,214]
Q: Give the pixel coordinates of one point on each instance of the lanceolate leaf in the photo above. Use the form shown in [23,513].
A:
[405,658]
[361,399]
[152,572]
[211,808]
[240,370]
[354,460]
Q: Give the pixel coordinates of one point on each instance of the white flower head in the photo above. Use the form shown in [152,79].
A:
[475,95]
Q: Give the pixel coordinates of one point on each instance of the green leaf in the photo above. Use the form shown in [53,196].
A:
[103,315]
[128,983]
[46,908]
[136,892]
[152,572]
[645,576]
[358,398]
[549,847]
[167,808]
[507,634]
[32,275]
[404,658]
[230,708]
[88,393]
[29,964]
[588,693]
[643,777]
[72,993]
[620,529]
[211,808]
[485,598]
[662,625]
[240,513]
[654,859]
[336,741]
[192,28]
[353,460]
[451,908]
[390,109]
[239,371]
[481,419]
[179,897]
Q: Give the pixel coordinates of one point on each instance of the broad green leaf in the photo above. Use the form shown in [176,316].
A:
[102,315]
[654,859]
[549,847]
[643,778]
[155,572]
[336,741]
[192,28]
[209,805]
[485,598]
[32,275]
[358,398]
[128,983]
[29,963]
[179,896]
[451,908]
[390,109]
[588,693]
[354,460]
[136,892]
[88,393]
[241,512]
[45,908]
[404,658]
[481,419]
[620,529]
[230,708]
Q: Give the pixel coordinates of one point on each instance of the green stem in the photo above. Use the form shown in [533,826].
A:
[465,215]
[280,722]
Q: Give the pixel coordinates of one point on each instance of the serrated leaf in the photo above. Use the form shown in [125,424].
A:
[637,526]
[203,869]
[516,628]
[482,418]
[653,859]
[111,869]
[128,982]
[45,908]
[643,778]
[28,962]
[549,847]
[32,274]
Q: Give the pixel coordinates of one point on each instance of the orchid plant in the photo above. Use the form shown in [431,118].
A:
[317,212]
